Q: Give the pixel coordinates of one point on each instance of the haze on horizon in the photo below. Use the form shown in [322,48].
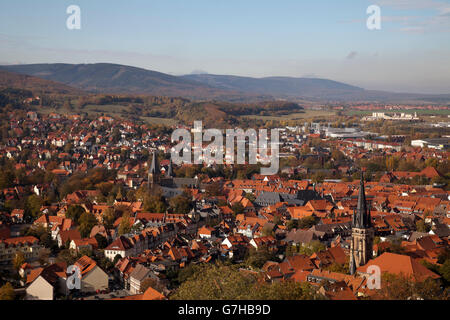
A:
[325,38]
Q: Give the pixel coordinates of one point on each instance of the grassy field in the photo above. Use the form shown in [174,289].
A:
[308,114]
[89,109]
[107,109]
[163,121]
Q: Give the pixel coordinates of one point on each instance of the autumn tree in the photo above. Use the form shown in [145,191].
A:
[421,226]
[6,178]
[223,282]
[181,204]
[87,221]
[154,203]
[292,224]
[7,292]
[33,205]
[214,189]
[314,246]
[444,270]
[153,283]
[74,213]
[66,256]
[339,268]
[19,260]
[256,258]
[318,177]
[109,216]
[125,224]
[237,208]
[401,287]
[307,222]
[101,240]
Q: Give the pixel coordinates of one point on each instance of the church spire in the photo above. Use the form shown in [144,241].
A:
[153,172]
[362,232]
[154,167]
[361,216]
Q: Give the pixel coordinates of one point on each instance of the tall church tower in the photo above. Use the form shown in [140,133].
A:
[154,172]
[361,247]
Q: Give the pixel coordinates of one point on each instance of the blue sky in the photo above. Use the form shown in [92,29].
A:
[320,38]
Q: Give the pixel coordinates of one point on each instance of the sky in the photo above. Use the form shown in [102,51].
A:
[296,38]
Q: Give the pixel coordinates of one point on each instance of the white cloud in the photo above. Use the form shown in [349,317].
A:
[437,21]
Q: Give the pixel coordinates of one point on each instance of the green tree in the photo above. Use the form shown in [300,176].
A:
[339,268]
[109,216]
[74,213]
[307,222]
[292,224]
[6,178]
[250,196]
[287,290]
[66,256]
[125,224]
[154,203]
[181,204]
[116,259]
[237,208]
[33,205]
[256,258]
[314,246]
[87,221]
[318,177]
[444,270]
[101,240]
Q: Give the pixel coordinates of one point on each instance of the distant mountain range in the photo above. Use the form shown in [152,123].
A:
[112,78]
[120,79]
[278,86]
[310,89]
[35,84]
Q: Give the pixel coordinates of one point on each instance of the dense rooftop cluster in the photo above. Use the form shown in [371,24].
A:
[103,195]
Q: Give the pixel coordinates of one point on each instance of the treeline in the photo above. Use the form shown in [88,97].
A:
[228,282]
[13,98]
[264,109]
[146,101]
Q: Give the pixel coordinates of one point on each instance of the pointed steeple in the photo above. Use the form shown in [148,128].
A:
[362,232]
[154,167]
[154,172]
[361,216]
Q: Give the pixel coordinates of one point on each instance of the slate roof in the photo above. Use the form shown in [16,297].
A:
[140,272]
